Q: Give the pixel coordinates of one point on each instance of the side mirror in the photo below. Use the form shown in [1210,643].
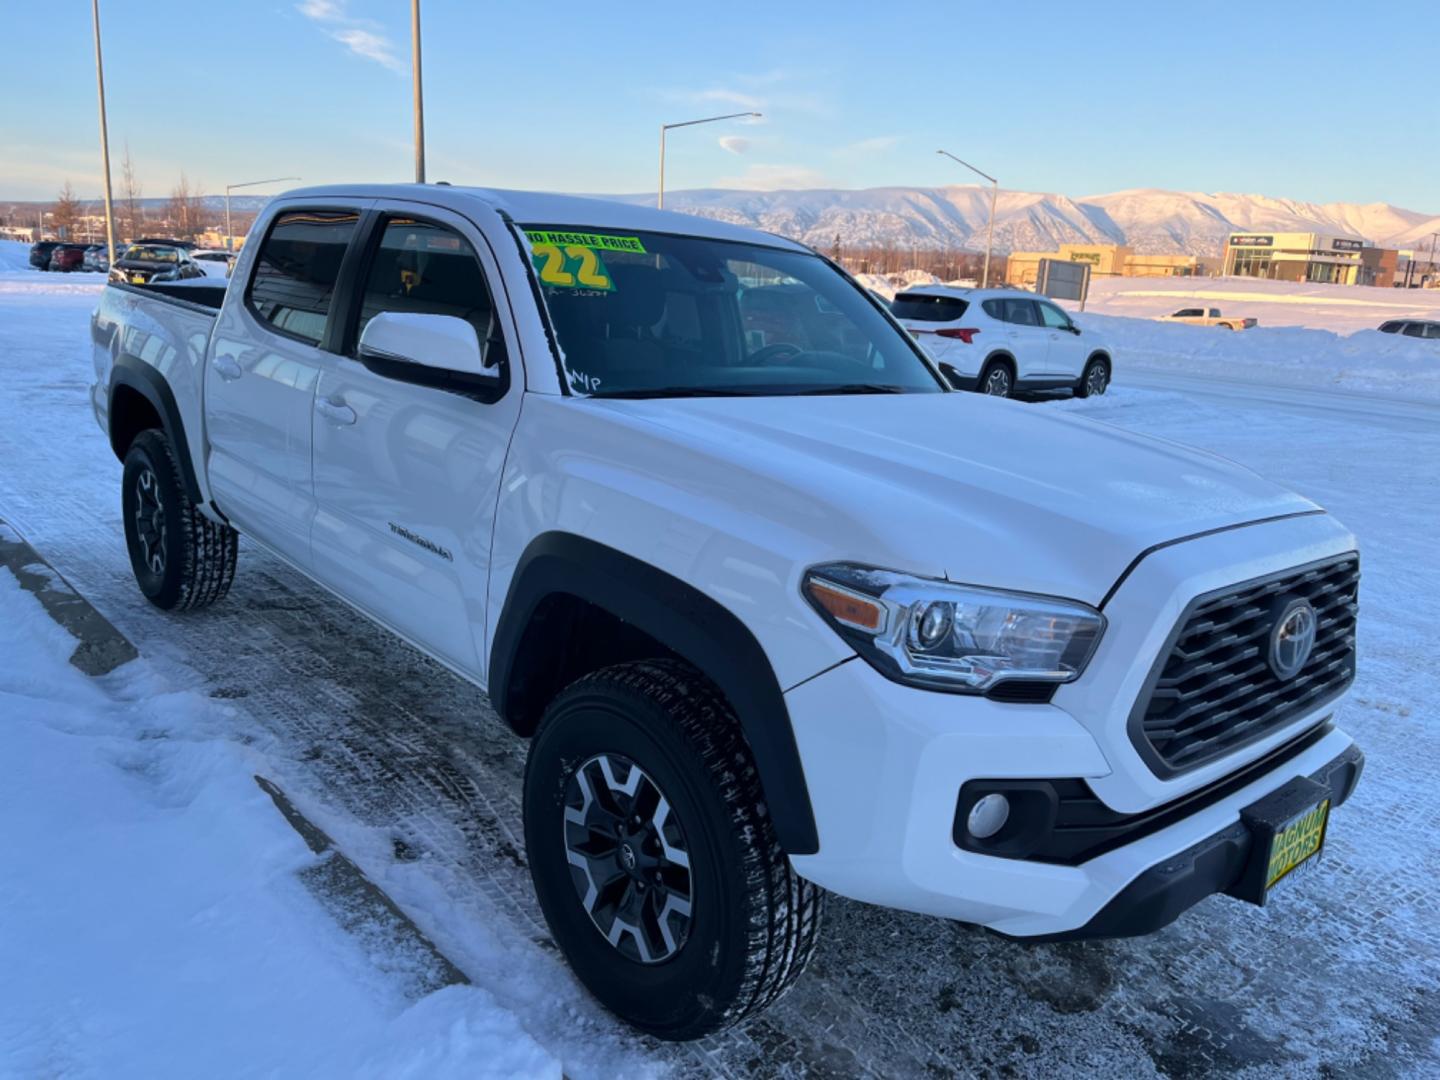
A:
[442,351]
[1074,329]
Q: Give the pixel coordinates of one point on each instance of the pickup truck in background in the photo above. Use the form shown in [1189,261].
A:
[1202,316]
[778,610]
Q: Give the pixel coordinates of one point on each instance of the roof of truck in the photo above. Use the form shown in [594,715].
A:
[543,208]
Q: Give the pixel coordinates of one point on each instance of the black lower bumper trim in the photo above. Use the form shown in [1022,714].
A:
[1216,864]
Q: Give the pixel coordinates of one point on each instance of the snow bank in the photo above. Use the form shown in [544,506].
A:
[153,923]
[1366,361]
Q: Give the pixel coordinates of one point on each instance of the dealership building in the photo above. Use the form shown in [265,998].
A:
[1298,256]
[1106,260]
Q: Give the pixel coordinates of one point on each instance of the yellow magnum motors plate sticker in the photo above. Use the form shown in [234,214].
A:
[1296,842]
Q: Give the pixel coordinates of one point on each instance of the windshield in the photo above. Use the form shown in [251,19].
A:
[654,315]
[150,254]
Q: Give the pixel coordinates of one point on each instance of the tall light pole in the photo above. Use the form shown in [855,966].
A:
[104,134]
[419,93]
[660,194]
[230,236]
[990,231]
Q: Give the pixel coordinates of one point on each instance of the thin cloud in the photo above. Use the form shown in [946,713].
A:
[876,145]
[729,97]
[358,35]
[736,144]
[775,178]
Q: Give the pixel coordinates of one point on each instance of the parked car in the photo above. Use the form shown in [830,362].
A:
[95,255]
[778,614]
[144,264]
[1000,341]
[40,253]
[1207,316]
[214,263]
[68,257]
[1421,328]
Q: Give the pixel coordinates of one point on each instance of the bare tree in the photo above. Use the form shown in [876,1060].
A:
[65,214]
[184,209]
[130,192]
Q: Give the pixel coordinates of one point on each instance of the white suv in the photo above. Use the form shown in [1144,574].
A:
[999,341]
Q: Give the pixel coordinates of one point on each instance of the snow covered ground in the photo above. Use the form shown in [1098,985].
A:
[152,924]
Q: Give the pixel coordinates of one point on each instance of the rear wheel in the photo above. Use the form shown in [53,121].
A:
[181,558]
[1096,379]
[997,379]
[653,857]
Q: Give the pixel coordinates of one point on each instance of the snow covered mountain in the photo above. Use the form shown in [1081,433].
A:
[1149,220]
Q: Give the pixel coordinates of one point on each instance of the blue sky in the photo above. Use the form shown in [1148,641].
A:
[1322,101]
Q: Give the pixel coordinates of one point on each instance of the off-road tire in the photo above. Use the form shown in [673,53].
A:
[197,555]
[754,922]
[1087,387]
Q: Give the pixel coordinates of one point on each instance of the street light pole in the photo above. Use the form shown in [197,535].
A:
[419,93]
[990,230]
[660,192]
[104,134]
[230,236]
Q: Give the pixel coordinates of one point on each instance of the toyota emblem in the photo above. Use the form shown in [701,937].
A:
[1292,638]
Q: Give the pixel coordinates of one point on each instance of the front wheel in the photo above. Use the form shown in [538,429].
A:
[181,558]
[1095,381]
[655,862]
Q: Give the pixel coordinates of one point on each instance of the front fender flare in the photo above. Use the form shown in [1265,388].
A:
[685,620]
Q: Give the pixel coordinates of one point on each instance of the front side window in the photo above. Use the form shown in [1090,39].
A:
[423,268]
[1188,313]
[655,315]
[1391,327]
[1053,317]
[1414,329]
[296,270]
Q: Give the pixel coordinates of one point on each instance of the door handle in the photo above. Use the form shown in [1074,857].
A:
[337,412]
[227,367]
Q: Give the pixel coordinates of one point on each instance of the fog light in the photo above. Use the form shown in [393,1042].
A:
[988,816]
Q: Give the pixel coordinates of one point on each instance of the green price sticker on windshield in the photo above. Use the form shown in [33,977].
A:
[567,260]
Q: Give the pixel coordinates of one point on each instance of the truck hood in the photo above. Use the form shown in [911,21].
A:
[965,486]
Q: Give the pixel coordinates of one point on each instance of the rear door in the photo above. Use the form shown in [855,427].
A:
[1029,341]
[407,476]
[261,372]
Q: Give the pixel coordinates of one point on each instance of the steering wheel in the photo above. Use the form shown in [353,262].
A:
[776,353]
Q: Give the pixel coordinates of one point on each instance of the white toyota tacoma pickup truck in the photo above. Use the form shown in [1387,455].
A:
[778,611]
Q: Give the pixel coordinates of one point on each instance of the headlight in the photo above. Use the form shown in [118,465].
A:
[953,637]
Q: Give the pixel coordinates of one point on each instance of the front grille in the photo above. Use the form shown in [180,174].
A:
[1214,690]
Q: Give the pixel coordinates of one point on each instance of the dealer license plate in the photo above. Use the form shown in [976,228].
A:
[1298,841]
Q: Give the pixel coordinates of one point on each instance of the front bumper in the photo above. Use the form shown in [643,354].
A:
[885,764]
[1216,864]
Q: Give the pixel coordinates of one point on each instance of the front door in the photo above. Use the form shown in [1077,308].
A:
[1066,353]
[407,476]
[260,378]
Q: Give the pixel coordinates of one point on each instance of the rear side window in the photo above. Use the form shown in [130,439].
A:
[427,269]
[1432,330]
[296,270]
[922,308]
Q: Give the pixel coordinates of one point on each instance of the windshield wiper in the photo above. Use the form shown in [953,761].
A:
[854,388]
[676,391]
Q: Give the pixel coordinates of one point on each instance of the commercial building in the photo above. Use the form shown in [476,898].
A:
[1106,260]
[1298,256]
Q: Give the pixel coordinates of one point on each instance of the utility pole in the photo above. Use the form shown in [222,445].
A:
[419,93]
[104,134]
